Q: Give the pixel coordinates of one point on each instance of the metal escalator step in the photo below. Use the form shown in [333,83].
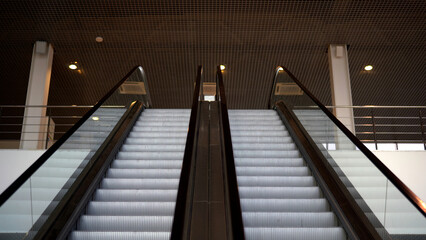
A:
[253,118]
[167,110]
[261,139]
[285,205]
[255,233]
[245,112]
[150,155]
[131,209]
[264,133]
[259,128]
[274,181]
[162,124]
[83,235]
[271,162]
[278,195]
[175,140]
[255,122]
[125,223]
[264,146]
[265,154]
[145,118]
[150,195]
[272,171]
[149,183]
[143,173]
[135,134]
[289,219]
[153,148]
[279,192]
[136,198]
[159,129]
[140,164]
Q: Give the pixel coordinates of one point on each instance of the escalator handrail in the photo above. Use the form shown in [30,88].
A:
[237,227]
[49,152]
[404,189]
[180,229]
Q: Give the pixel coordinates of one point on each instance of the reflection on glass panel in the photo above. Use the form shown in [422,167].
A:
[387,208]
[30,206]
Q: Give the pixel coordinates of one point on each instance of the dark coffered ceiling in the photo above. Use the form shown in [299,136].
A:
[170,38]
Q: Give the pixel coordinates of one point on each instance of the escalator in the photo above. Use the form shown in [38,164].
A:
[129,171]
[279,196]
[136,198]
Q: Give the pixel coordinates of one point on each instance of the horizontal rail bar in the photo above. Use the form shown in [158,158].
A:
[59,106]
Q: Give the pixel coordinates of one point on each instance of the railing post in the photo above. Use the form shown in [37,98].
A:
[374,129]
[422,129]
[48,127]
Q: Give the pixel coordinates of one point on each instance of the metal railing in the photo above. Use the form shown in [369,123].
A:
[376,124]
[389,124]
[45,128]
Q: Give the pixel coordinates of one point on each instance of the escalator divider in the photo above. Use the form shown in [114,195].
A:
[61,221]
[234,218]
[182,215]
[352,217]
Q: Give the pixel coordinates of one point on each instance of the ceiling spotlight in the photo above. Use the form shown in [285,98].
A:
[99,39]
[95,118]
[222,67]
[73,66]
[368,68]
[280,69]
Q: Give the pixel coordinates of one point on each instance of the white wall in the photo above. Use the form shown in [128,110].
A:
[13,163]
[409,166]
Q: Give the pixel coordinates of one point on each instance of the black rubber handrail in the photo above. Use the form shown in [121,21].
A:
[181,219]
[49,152]
[412,197]
[237,227]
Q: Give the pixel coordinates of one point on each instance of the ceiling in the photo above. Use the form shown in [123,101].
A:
[169,39]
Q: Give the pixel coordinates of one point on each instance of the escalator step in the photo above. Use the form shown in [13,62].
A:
[142,173]
[279,192]
[276,181]
[125,223]
[284,205]
[289,219]
[148,183]
[335,233]
[269,162]
[80,235]
[139,164]
[131,209]
[272,171]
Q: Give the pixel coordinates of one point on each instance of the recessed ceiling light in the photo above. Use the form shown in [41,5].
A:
[73,66]
[368,68]
[222,67]
[99,39]
[95,118]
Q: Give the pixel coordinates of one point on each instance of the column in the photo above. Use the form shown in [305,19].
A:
[35,120]
[341,93]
